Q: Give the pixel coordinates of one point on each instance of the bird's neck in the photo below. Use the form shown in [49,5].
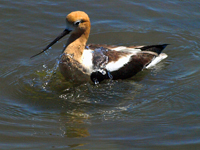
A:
[76,44]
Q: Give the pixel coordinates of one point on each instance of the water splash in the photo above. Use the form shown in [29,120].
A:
[110,75]
[96,81]
[50,73]
[100,60]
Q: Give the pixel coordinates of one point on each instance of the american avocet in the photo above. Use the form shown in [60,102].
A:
[98,62]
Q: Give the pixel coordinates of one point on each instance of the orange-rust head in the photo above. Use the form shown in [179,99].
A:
[77,15]
[78,21]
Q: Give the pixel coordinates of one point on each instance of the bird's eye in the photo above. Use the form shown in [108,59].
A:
[77,22]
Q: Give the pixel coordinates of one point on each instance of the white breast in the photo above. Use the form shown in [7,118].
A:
[87,60]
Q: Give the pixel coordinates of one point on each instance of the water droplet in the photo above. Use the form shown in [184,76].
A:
[110,75]
[95,81]
[99,58]
[102,71]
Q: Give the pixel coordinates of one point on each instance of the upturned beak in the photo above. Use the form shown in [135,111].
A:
[65,32]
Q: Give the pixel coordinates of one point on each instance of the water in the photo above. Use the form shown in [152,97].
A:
[156,109]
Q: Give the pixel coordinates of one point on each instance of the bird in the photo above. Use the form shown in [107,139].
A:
[81,62]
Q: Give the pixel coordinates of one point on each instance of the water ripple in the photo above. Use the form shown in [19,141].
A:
[158,108]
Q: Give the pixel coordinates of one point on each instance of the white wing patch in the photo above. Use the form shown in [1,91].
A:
[119,48]
[116,65]
[126,49]
[157,60]
[113,66]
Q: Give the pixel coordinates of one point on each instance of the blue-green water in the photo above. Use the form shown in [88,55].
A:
[156,109]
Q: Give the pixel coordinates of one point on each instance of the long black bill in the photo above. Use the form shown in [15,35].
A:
[65,32]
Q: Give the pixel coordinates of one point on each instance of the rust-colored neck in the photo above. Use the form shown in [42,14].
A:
[76,44]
